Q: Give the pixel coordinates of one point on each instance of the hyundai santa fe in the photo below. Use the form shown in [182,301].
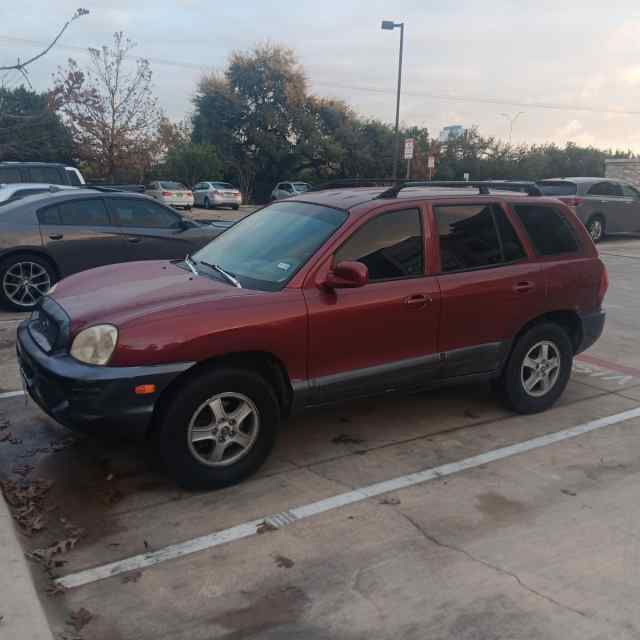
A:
[326,296]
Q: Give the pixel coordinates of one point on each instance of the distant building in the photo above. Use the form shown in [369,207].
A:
[452,131]
[627,170]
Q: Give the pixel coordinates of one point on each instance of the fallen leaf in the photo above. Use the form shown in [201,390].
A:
[133,576]
[45,556]
[80,619]
[390,501]
[55,590]
[283,562]
[146,545]
[265,526]
[569,493]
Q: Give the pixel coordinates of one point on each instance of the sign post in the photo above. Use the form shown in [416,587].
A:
[409,144]
[431,165]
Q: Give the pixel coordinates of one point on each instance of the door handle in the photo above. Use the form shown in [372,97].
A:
[417,300]
[134,240]
[56,236]
[525,286]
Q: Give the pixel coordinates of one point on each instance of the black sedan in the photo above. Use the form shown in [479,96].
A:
[46,237]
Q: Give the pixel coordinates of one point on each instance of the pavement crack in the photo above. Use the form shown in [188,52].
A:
[433,539]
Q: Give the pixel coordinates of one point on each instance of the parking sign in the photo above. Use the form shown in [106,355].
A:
[408,148]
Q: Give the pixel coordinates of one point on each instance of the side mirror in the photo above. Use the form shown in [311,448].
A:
[347,275]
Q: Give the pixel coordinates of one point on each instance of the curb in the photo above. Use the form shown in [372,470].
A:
[23,615]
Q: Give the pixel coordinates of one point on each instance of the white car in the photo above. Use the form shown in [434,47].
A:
[216,194]
[287,189]
[17,191]
[173,194]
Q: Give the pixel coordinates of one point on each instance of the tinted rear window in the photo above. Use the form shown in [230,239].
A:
[178,186]
[548,229]
[558,188]
[50,175]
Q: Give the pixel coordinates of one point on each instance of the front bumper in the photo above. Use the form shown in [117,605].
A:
[592,327]
[90,398]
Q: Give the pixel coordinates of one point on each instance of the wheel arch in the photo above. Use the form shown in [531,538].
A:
[32,251]
[267,365]
[568,319]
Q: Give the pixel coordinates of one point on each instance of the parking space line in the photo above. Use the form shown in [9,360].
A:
[11,394]
[286,518]
[606,364]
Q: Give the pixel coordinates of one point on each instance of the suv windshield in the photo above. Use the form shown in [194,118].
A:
[558,188]
[176,186]
[265,250]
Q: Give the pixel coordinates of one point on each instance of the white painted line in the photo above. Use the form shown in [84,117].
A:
[285,518]
[11,394]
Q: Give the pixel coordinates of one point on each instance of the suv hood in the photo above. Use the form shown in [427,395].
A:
[120,293]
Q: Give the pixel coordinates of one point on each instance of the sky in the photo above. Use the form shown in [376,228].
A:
[466,62]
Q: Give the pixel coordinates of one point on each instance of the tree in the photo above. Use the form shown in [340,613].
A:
[190,163]
[112,113]
[253,115]
[30,129]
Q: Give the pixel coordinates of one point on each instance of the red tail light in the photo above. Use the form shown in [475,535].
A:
[190,194]
[604,285]
[572,201]
[167,193]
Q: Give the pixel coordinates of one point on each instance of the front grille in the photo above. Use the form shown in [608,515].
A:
[49,326]
[44,330]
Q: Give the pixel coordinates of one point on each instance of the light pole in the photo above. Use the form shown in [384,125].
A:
[390,25]
[512,121]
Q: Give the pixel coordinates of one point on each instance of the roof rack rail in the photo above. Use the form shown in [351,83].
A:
[484,186]
[352,183]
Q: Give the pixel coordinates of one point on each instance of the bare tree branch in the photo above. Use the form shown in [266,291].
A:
[21,66]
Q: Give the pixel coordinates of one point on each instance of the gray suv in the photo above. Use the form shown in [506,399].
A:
[603,205]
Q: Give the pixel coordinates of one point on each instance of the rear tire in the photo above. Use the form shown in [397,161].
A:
[532,381]
[200,458]
[236,207]
[36,272]
[596,227]
[207,204]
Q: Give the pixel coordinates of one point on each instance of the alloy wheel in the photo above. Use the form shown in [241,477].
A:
[223,429]
[540,369]
[24,283]
[595,229]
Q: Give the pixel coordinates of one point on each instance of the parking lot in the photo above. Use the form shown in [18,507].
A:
[488,524]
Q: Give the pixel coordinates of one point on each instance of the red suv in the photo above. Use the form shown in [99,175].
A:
[318,298]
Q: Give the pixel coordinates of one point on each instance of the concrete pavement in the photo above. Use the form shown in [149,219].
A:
[541,544]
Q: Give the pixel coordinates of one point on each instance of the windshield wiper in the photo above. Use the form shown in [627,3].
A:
[226,274]
[189,262]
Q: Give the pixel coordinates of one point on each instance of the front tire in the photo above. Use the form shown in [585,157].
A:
[218,428]
[596,228]
[24,279]
[538,370]
[236,207]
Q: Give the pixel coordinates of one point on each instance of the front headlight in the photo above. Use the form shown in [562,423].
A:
[95,344]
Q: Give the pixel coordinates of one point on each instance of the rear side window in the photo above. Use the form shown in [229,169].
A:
[10,175]
[548,229]
[83,213]
[49,175]
[630,192]
[143,212]
[50,215]
[605,189]
[390,245]
[475,236]
[558,188]
[73,178]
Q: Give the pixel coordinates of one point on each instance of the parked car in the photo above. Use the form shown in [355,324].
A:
[13,192]
[288,189]
[320,298]
[173,194]
[47,237]
[42,172]
[603,205]
[216,194]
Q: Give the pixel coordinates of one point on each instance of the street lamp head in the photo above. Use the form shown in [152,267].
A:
[388,25]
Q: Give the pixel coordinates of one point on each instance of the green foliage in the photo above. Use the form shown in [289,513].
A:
[190,163]
[30,130]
